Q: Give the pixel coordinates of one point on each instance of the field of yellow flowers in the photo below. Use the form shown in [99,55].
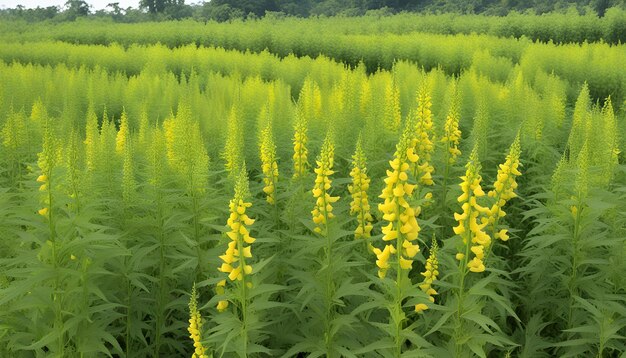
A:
[197,201]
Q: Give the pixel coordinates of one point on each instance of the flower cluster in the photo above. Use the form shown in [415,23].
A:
[43,179]
[300,152]
[46,161]
[195,326]
[470,227]
[360,184]
[269,165]
[430,275]
[392,116]
[323,203]
[422,142]
[401,216]
[121,140]
[504,188]
[234,141]
[452,133]
[234,259]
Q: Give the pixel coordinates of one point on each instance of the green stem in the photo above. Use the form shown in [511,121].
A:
[128,319]
[58,315]
[493,229]
[328,339]
[244,295]
[444,191]
[397,316]
[461,293]
[572,282]
[196,228]
[159,313]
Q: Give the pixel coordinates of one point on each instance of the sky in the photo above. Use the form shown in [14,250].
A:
[95,4]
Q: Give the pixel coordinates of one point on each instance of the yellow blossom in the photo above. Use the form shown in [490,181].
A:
[269,164]
[43,212]
[470,226]
[300,152]
[401,217]
[234,260]
[504,189]
[430,275]
[195,326]
[360,184]
[422,143]
[452,134]
[323,210]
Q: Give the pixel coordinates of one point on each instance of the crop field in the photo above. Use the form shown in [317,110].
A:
[324,187]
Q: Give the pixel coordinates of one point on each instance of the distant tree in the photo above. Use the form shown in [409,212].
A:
[601,5]
[76,8]
[257,7]
[172,9]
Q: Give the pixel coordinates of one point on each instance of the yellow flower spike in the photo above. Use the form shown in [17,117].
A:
[422,144]
[470,223]
[195,324]
[431,272]
[323,203]
[269,164]
[359,206]
[234,260]
[504,187]
[300,156]
[401,226]
[452,133]
[420,307]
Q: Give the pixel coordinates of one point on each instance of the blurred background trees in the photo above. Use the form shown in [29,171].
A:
[225,10]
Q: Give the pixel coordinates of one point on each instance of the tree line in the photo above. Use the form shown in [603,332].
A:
[224,10]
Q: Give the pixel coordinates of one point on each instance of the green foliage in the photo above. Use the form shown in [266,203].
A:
[114,193]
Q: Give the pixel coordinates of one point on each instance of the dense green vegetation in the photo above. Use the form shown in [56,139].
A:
[223,10]
[499,58]
[339,187]
[556,27]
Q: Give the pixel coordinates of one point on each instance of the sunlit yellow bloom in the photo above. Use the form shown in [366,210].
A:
[195,326]
[234,260]
[323,210]
[360,206]
[504,189]
[430,273]
[269,164]
[300,152]
[452,134]
[123,134]
[422,143]
[470,226]
[401,217]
